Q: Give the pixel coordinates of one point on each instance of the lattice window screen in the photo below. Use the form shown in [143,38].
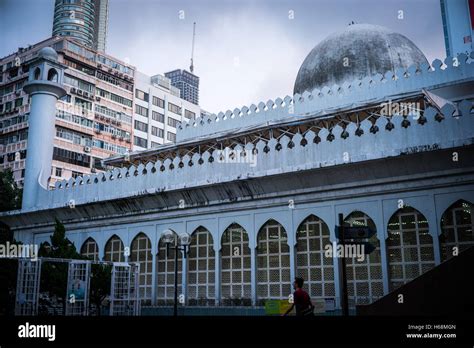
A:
[141,254]
[201,269]
[273,263]
[364,278]
[457,225]
[90,249]
[114,250]
[409,245]
[235,267]
[165,275]
[311,264]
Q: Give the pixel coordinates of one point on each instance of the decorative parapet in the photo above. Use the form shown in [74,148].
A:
[311,150]
[321,102]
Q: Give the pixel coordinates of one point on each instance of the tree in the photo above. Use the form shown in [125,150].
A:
[54,274]
[100,284]
[9,191]
[10,199]
[8,271]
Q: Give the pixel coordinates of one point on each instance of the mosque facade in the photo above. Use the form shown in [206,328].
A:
[384,138]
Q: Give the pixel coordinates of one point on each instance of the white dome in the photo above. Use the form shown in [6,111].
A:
[360,50]
[48,53]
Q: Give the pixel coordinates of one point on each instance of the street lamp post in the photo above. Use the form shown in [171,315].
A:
[178,244]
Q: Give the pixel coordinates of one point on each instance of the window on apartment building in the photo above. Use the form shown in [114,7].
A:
[80,84]
[2,159]
[114,97]
[189,114]
[82,103]
[71,157]
[80,67]
[13,73]
[158,102]
[157,132]
[141,110]
[156,116]
[19,85]
[75,174]
[171,136]
[141,126]
[58,172]
[172,122]
[8,89]
[141,95]
[153,144]
[8,106]
[139,141]
[66,98]
[18,102]
[174,108]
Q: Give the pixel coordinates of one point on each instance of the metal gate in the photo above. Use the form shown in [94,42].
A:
[78,283]
[124,290]
[27,287]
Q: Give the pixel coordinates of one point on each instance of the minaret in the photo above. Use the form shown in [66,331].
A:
[44,87]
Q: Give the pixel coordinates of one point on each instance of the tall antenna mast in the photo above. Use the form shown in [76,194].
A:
[191,67]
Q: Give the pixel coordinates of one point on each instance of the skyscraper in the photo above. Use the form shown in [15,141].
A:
[101,20]
[187,83]
[458,26]
[83,20]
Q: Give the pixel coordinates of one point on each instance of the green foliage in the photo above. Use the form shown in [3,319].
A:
[9,192]
[10,199]
[100,284]
[54,274]
[8,271]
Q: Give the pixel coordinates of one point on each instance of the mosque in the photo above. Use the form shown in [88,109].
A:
[257,190]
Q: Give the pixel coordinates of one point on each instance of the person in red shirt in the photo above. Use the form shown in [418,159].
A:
[301,300]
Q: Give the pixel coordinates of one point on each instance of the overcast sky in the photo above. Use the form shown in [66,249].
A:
[246,51]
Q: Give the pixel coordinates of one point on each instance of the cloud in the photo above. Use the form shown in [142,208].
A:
[240,58]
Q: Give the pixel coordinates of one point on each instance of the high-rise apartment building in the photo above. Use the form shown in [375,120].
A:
[93,121]
[83,20]
[187,83]
[158,111]
[458,26]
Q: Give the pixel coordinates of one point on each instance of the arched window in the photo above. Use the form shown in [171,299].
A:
[235,267]
[364,276]
[37,74]
[409,246]
[201,269]
[141,253]
[90,249]
[311,263]
[457,226]
[52,75]
[165,274]
[114,250]
[273,263]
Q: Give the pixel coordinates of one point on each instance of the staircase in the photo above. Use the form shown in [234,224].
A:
[447,289]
